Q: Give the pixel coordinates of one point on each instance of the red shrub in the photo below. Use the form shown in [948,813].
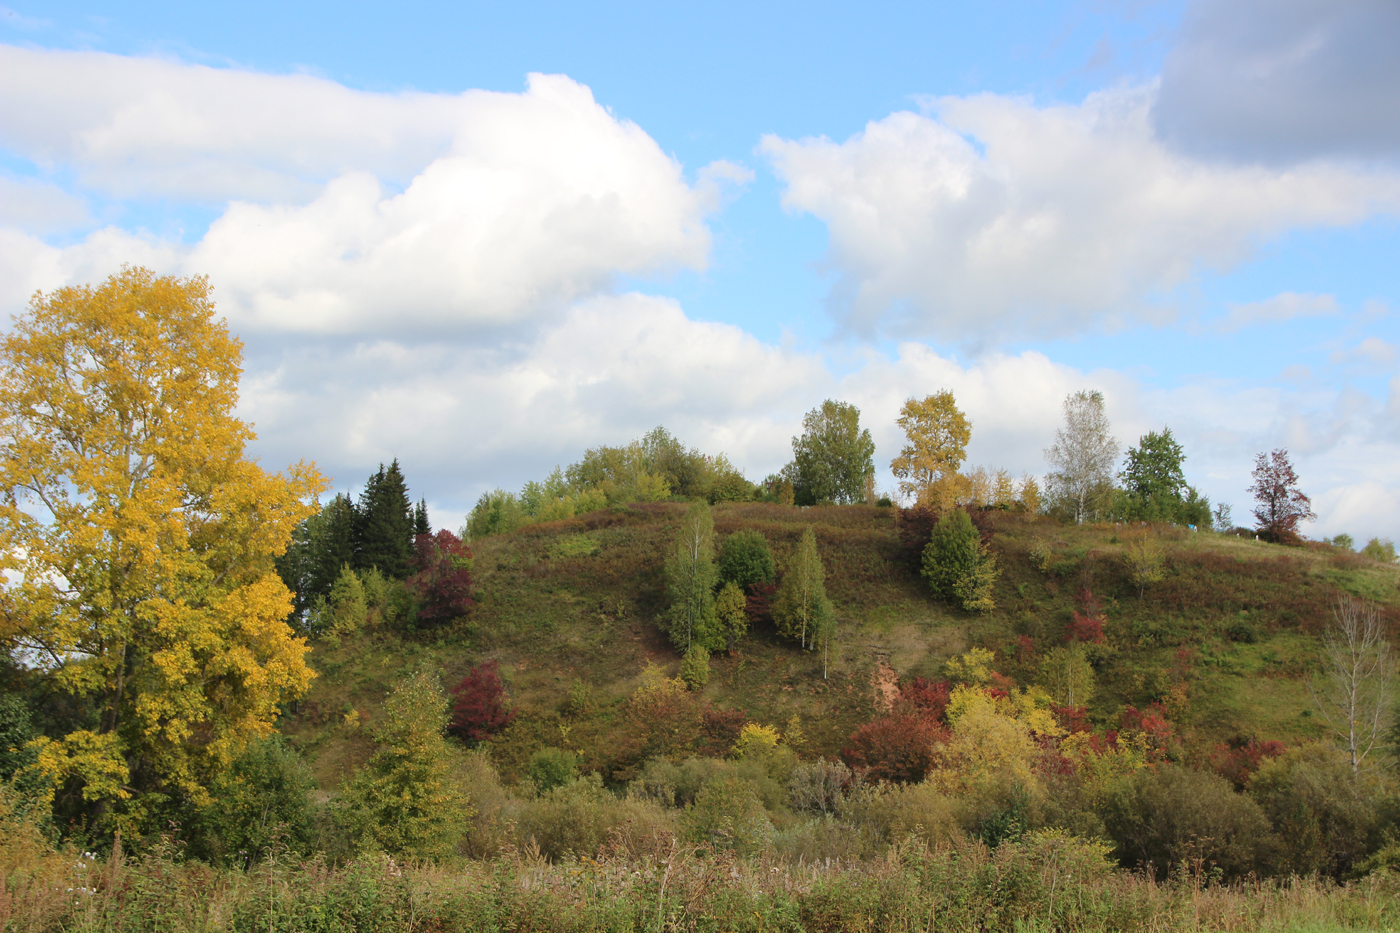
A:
[1087,625]
[478,704]
[1239,758]
[1161,734]
[442,578]
[1073,718]
[924,696]
[719,730]
[898,747]
[915,528]
[758,603]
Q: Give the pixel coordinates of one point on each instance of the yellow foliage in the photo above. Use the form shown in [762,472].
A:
[141,538]
[974,667]
[1100,770]
[937,432]
[756,741]
[994,740]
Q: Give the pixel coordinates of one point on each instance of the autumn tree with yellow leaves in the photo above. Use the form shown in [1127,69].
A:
[137,540]
[927,466]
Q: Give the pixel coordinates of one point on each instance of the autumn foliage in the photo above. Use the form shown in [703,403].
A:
[479,704]
[441,579]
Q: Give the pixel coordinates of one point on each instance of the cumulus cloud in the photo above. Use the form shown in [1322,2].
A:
[1279,81]
[361,213]
[997,220]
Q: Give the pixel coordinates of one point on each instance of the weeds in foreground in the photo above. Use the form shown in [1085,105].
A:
[1046,882]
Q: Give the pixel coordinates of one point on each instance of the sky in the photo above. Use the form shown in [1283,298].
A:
[482,239]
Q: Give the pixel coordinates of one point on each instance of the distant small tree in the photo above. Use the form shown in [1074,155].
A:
[406,799]
[479,708]
[937,433]
[731,615]
[1083,453]
[745,559]
[1381,549]
[831,458]
[1356,687]
[690,580]
[1281,505]
[1146,559]
[384,524]
[958,566]
[802,594]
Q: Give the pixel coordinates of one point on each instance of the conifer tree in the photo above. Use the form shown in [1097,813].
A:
[421,526]
[384,524]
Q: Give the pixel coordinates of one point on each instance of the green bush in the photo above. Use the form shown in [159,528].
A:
[1171,816]
[260,804]
[728,815]
[552,767]
[1327,819]
[957,566]
[745,558]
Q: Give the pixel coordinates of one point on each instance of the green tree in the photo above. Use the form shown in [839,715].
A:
[384,527]
[937,434]
[421,525]
[832,457]
[139,540]
[1154,487]
[262,800]
[958,567]
[801,598]
[322,544]
[690,580]
[1082,455]
[731,616]
[1067,676]
[745,559]
[406,800]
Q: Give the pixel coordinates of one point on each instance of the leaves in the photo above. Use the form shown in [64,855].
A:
[141,539]
[927,466]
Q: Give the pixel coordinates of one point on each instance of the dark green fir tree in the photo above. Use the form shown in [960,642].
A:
[384,532]
[420,519]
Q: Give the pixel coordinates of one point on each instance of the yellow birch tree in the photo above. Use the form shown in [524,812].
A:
[927,466]
[136,539]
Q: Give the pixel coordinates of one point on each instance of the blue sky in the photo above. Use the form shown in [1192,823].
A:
[713,218]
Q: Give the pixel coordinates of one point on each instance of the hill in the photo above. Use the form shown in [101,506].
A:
[1223,642]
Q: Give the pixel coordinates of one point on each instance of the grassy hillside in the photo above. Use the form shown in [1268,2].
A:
[568,610]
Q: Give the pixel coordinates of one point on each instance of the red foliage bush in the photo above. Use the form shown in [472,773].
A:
[1087,623]
[915,527]
[758,603]
[478,704]
[924,696]
[442,578]
[898,747]
[1162,740]
[1239,758]
[719,730]
[1073,718]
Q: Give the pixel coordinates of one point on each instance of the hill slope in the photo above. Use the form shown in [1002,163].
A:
[568,610]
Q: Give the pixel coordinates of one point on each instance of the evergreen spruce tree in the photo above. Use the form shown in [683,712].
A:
[384,526]
[420,519]
[321,545]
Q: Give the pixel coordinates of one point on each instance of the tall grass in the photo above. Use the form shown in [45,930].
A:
[1047,882]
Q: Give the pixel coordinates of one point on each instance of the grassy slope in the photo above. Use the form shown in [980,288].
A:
[568,610]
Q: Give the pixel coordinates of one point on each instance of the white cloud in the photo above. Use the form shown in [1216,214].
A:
[366,213]
[999,220]
[39,207]
[1282,307]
